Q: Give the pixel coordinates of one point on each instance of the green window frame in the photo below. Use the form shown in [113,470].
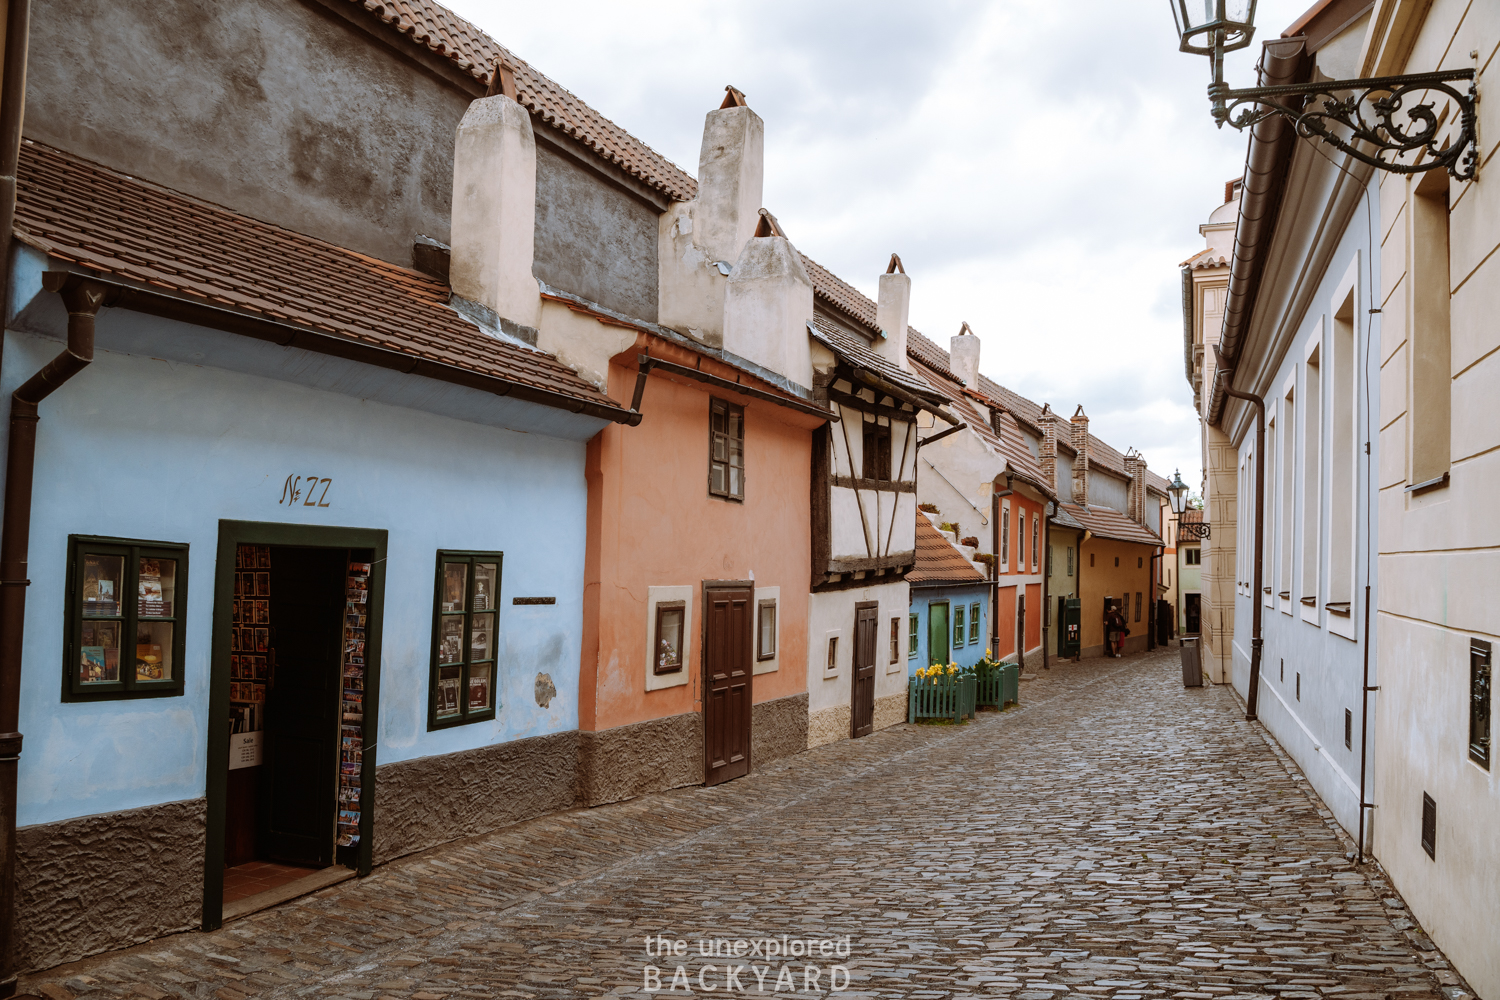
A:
[465,634]
[119,588]
[911,636]
[958,626]
[974,622]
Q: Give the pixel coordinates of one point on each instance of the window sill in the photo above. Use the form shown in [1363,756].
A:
[488,715]
[1431,484]
[1338,608]
[1309,602]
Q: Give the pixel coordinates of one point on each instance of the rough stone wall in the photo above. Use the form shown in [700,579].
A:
[594,240]
[431,800]
[828,726]
[778,728]
[98,883]
[279,110]
[650,756]
[890,710]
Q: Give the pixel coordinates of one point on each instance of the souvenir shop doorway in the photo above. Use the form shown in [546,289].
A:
[294,695]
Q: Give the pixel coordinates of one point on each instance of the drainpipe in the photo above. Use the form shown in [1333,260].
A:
[1225,376]
[83,299]
[12,109]
[1151,642]
[995,496]
[1046,581]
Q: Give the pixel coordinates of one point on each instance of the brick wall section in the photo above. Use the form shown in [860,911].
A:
[1081,462]
[1048,446]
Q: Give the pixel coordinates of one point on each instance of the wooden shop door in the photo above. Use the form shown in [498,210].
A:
[727,677]
[862,697]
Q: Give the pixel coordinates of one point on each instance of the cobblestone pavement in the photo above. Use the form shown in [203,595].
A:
[1115,836]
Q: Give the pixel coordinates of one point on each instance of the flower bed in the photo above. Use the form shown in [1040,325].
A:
[940,692]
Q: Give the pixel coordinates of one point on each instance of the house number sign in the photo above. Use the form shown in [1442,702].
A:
[306,491]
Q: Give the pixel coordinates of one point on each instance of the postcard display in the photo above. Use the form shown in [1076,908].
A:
[251,657]
[352,711]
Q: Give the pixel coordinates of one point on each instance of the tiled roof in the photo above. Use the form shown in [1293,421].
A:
[1193,515]
[844,297]
[1106,522]
[475,53]
[1008,445]
[937,560]
[1205,259]
[1062,518]
[183,248]
[853,352]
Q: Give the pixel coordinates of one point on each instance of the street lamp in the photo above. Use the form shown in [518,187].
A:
[1177,488]
[1351,115]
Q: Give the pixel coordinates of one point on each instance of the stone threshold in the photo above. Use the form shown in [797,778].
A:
[282,893]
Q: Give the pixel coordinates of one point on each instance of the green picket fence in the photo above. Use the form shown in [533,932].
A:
[999,684]
[942,697]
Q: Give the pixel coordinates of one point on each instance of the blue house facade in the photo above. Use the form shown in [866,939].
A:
[950,599]
[305,558]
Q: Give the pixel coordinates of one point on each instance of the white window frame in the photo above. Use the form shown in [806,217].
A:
[661,595]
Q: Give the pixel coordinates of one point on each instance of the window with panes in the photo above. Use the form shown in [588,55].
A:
[726,450]
[465,619]
[958,626]
[127,601]
[974,622]
[911,635]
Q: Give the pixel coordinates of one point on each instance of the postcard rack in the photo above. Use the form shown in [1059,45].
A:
[352,709]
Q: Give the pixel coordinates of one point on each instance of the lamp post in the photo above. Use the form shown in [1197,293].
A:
[1356,116]
[1177,496]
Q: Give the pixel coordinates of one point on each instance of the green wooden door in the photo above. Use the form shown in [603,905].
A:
[937,632]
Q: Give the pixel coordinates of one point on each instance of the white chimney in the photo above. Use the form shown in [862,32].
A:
[891,313]
[700,240]
[494,217]
[768,302]
[963,357]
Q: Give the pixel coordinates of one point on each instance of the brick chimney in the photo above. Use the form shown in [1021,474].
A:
[1081,459]
[1048,446]
[767,303]
[963,357]
[494,218]
[891,314]
[1138,489]
[1132,469]
[700,240]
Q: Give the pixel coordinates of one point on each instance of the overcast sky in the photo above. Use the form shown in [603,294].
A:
[1040,166]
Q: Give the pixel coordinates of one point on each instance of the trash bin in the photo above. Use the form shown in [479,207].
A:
[1192,666]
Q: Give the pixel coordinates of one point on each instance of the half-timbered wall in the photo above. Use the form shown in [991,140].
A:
[870,520]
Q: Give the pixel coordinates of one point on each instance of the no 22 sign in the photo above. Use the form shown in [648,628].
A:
[297,487]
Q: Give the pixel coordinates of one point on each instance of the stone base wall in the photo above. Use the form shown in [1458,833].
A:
[431,800]
[621,763]
[828,725]
[778,729]
[97,883]
[890,710]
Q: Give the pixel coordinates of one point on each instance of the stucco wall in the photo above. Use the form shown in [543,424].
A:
[922,598]
[280,110]
[1108,490]
[593,239]
[137,447]
[1105,579]
[107,881]
[654,524]
[829,691]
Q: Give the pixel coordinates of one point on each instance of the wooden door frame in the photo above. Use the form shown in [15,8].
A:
[231,535]
[708,586]
[854,664]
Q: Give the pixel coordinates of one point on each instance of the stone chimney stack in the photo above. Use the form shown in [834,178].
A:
[892,313]
[1081,459]
[700,240]
[1137,488]
[1048,446]
[963,357]
[494,217]
[767,304]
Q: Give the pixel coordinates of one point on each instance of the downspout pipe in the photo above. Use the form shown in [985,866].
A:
[83,298]
[1226,376]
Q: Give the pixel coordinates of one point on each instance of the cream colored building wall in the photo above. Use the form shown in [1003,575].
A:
[1220,489]
[1440,549]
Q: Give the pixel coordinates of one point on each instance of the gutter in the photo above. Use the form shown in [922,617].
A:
[126,296]
[1187,322]
[1225,376]
[83,299]
[12,111]
[1272,141]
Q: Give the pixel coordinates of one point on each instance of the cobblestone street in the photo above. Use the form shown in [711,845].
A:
[1115,836]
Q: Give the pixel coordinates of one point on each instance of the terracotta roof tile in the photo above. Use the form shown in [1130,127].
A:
[474,52]
[1008,445]
[1106,522]
[1192,515]
[841,295]
[188,249]
[938,561]
[1205,259]
[856,353]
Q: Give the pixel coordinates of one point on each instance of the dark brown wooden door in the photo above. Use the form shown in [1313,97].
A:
[862,697]
[727,675]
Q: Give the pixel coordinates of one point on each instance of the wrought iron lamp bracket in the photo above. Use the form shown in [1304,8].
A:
[1193,529]
[1359,117]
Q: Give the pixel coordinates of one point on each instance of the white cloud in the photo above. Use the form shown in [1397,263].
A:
[1041,167]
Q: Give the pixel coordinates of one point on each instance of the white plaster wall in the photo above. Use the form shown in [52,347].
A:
[957,475]
[832,613]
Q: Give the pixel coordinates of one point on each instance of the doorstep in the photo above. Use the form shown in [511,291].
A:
[288,891]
